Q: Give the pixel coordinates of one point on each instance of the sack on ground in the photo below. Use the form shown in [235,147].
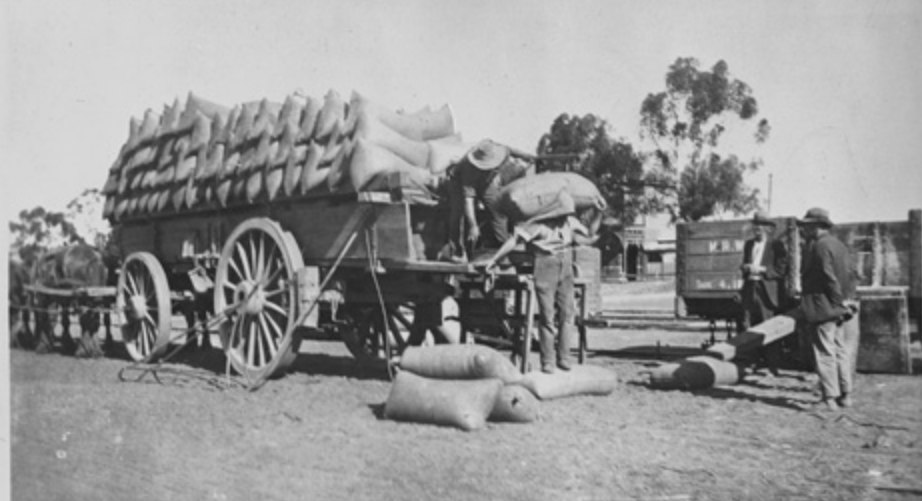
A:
[580,380]
[515,404]
[459,361]
[695,373]
[464,404]
[529,196]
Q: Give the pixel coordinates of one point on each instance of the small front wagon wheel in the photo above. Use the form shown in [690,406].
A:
[143,306]
[255,287]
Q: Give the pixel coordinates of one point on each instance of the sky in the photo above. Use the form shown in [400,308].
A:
[839,81]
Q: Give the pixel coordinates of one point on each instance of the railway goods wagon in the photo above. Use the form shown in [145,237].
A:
[886,256]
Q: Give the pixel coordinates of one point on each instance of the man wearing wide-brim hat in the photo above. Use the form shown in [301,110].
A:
[480,176]
[766,262]
[828,307]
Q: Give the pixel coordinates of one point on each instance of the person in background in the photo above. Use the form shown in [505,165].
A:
[550,237]
[766,262]
[478,179]
[828,308]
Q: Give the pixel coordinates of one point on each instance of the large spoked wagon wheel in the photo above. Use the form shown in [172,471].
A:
[142,303]
[256,277]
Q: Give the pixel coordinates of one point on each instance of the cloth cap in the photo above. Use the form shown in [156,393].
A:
[817,216]
[487,155]
[562,205]
[761,218]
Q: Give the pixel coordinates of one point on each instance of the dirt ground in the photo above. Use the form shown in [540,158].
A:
[78,432]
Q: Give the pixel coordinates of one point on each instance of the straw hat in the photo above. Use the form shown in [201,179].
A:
[487,155]
[817,216]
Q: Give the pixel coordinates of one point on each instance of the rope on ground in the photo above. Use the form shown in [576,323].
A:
[146,367]
[846,417]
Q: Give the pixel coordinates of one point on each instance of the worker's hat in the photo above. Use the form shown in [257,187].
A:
[487,155]
[816,216]
[761,218]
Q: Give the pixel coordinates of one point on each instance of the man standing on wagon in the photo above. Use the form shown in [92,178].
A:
[479,178]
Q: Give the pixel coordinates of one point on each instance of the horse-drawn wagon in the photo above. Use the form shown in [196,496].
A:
[280,220]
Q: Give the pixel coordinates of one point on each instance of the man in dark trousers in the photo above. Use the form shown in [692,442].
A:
[550,238]
[765,266]
[828,306]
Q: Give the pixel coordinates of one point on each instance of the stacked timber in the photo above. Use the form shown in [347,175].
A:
[199,154]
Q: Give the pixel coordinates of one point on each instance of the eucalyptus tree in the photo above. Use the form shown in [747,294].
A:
[695,174]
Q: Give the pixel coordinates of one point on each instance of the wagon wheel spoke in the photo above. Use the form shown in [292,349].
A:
[260,256]
[147,289]
[275,293]
[251,343]
[397,314]
[244,261]
[274,264]
[236,329]
[233,266]
[266,340]
[269,322]
[148,335]
[276,308]
[132,288]
[395,334]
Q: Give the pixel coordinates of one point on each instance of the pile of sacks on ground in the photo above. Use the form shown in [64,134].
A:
[718,365]
[202,154]
[467,385]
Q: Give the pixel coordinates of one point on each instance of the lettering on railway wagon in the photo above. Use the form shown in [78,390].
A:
[717,284]
[725,245]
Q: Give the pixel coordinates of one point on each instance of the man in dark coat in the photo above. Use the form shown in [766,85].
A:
[828,307]
[765,266]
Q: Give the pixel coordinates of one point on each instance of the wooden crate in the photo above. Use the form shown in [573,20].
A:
[884,326]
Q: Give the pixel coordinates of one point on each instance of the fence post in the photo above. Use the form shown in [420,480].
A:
[915,266]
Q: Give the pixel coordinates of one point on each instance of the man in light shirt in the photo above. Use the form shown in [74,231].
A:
[765,266]
[550,238]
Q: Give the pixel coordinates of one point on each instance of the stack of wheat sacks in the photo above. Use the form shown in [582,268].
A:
[206,155]
[466,385]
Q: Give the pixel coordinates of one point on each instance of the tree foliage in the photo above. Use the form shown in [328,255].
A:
[612,164]
[38,230]
[686,123]
[85,213]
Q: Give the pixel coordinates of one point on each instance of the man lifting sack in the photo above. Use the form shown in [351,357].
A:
[479,179]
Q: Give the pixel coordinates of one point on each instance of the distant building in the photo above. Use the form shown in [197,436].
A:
[636,252]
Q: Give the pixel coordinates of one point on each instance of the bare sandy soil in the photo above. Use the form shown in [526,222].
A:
[78,432]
